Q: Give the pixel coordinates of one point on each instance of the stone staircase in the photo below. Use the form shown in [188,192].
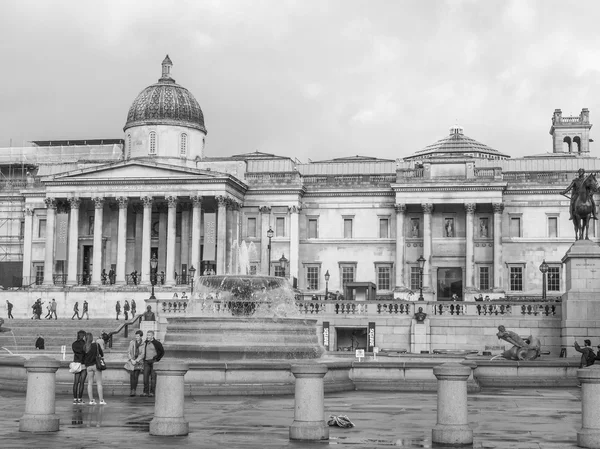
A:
[59,332]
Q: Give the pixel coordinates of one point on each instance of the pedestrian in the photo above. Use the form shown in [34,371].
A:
[49,312]
[39,342]
[76,311]
[588,356]
[111,276]
[126,310]
[53,309]
[153,352]
[133,308]
[85,310]
[104,276]
[89,359]
[118,309]
[162,277]
[136,361]
[9,307]
[78,368]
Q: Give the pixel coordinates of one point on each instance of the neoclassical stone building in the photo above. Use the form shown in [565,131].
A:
[71,211]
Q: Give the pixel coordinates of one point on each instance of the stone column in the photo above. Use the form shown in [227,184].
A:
[498,208]
[146,242]
[221,234]
[40,399]
[400,246]
[427,210]
[122,240]
[265,216]
[309,421]
[97,257]
[196,229]
[27,240]
[235,236]
[73,241]
[49,250]
[470,253]
[294,241]
[589,434]
[171,240]
[229,240]
[452,426]
[169,418]
[185,235]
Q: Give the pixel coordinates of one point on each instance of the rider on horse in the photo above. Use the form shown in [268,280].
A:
[575,186]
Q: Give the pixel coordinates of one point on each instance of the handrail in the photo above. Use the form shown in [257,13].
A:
[126,326]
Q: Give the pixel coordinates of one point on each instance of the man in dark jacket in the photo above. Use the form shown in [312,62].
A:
[153,352]
[587,354]
[39,343]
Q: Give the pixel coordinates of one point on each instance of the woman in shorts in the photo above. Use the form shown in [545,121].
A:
[92,349]
[78,347]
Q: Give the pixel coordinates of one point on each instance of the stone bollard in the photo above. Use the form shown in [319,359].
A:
[452,421]
[40,400]
[309,420]
[589,434]
[168,408]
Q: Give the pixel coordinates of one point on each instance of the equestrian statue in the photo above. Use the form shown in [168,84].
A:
[583,207]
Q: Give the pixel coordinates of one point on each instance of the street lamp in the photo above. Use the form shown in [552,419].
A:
[153,267]
[270,235]
[192,272]
[282,263]
[421,261]
[544,269]
[327,276]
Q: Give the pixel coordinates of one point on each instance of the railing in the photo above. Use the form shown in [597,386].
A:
[132,279]
[27,281]
[174,306]
[183,279]
[366,179]
[121,327]
[484,172]
[59,279]
[539,177]
[411,173]
[84,279]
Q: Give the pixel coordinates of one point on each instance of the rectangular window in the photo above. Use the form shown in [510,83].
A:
[484,278]
[22,229]
[553,279]
[516,279]
[312,228]
[279,271]
[347,275]
[253,269]
[347,228]
[384,278]
[280,227]
[39,274]
[552,227]
[415,278]
[515,227]
[251,227]
[384,228]
[42,229]
[312,278]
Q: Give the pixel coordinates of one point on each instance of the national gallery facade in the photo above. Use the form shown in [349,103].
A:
[454,220]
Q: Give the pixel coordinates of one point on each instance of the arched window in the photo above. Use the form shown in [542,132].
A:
[567,144]
[576,145]
[183,145]
[152,149]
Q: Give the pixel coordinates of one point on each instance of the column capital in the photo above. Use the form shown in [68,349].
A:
[28,210]
[171,201]
[294,209]
[264,209]
[221,200]
[498,207]
[427,208]
[400,208]
[233,204]
[470,207]
[147,201]
[74,202]
[197,200]
[122,201]
[50,203]
[98,202]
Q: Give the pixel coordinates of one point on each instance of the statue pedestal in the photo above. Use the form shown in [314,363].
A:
[420,336]
[580,306]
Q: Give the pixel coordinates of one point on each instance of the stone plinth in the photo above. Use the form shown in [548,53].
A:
[580,307]
[168,409]
[40,399]
[589,434]
[309,420]
[420,336]
[452,426]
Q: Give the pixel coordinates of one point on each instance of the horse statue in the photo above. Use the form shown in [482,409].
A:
[582,203]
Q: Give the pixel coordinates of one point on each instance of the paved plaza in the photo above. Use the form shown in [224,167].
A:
[500,418]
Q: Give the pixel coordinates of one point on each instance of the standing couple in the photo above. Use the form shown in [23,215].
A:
[85,355]
[142,356]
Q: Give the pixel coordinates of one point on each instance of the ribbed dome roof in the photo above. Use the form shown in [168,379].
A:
[458,145]
[165,103]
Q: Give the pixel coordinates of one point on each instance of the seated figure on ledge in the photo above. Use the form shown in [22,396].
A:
[528,349]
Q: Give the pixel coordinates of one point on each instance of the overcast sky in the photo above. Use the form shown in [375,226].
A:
[311,79]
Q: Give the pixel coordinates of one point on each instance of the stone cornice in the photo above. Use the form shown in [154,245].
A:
[449,188]
[348,194]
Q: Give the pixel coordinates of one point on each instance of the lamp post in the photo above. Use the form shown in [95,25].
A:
[327,284]
[153,267]
[421,261]
[544,269]
[270,234]
[192,272]
[282,263]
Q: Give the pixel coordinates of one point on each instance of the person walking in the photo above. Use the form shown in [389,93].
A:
[89,360]
[9,307]
[53,309]
[49,310]
[85,310]
[132,308]
[153,352]
[136,359]
[126,310]
[79,375]
[76,311]
[118,309]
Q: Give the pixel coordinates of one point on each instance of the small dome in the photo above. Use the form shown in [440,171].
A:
[165,103]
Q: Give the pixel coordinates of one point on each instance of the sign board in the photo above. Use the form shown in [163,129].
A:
[326,334]
[360,353]
[371,336]
[210,236]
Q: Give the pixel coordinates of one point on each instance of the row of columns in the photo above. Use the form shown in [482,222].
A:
[427,244]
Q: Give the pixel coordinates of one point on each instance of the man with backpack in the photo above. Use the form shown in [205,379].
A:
[587,354]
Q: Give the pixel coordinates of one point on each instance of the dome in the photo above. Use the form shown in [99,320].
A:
[165,103]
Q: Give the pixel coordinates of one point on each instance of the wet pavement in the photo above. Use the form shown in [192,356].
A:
[500,418]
